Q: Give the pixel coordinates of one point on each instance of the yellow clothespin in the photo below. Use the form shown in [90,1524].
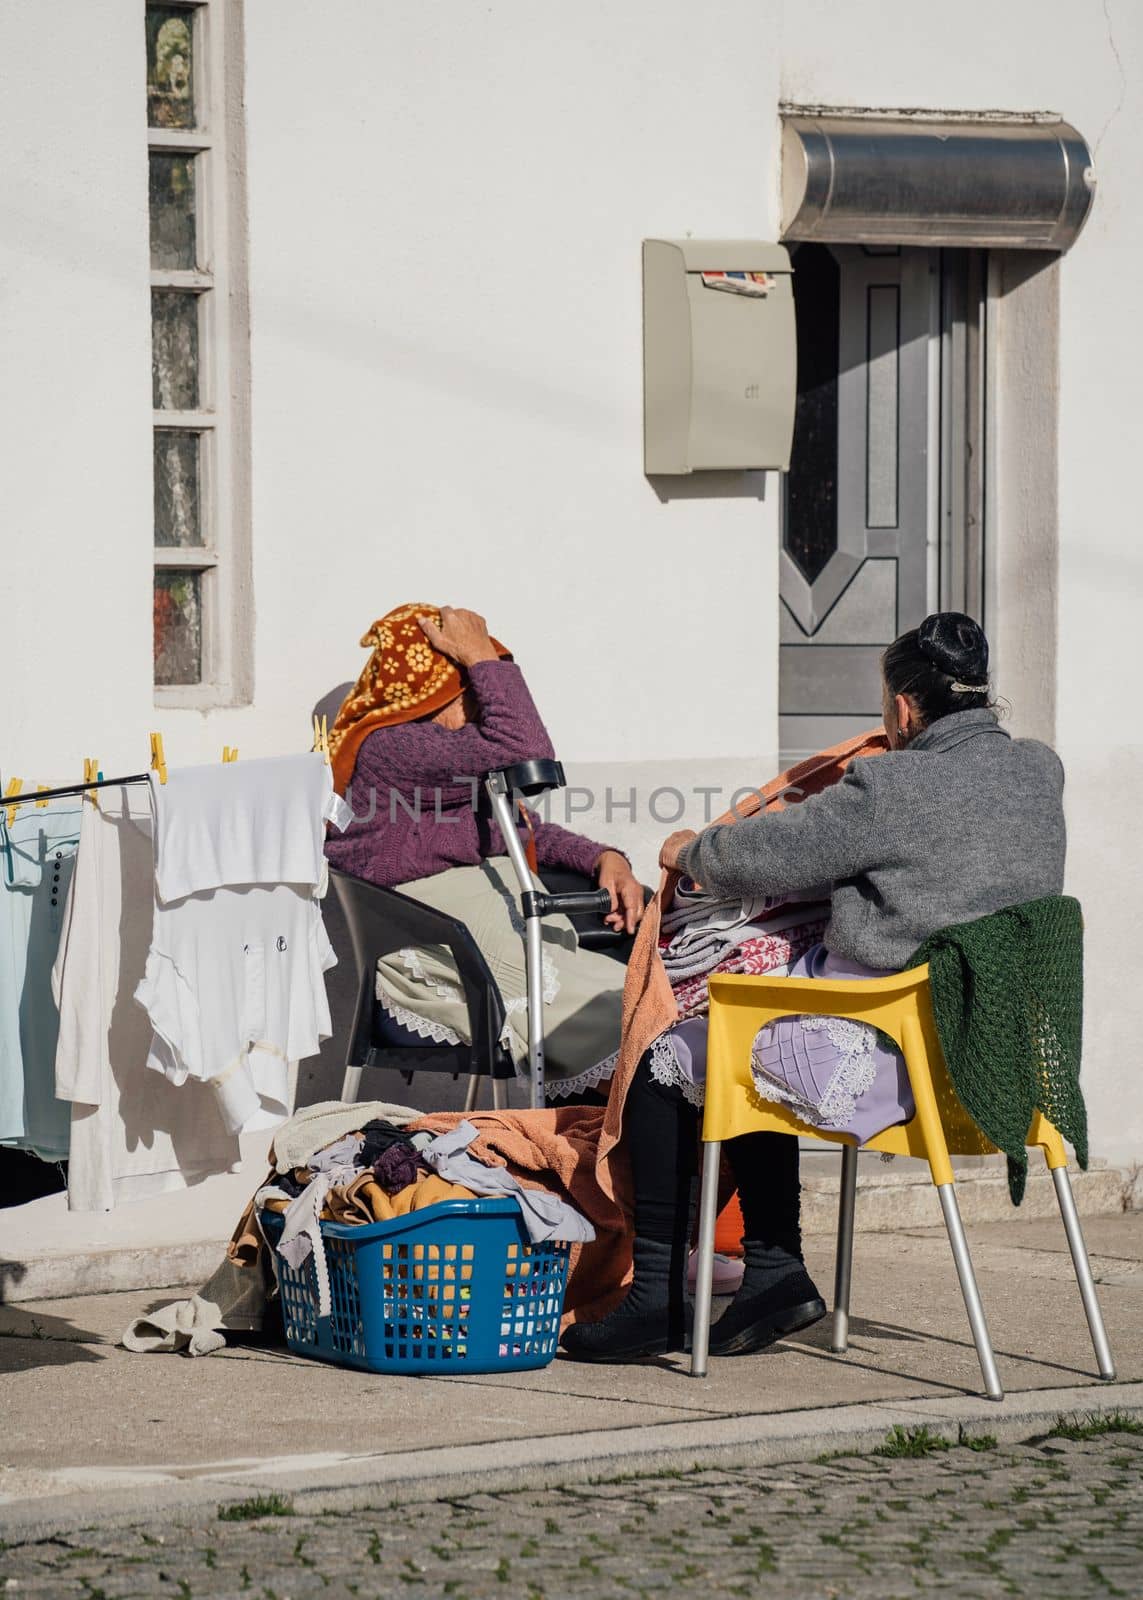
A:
[91,775]
[42,805]
[321,737]
[158,759]
[229,754]
[14,787]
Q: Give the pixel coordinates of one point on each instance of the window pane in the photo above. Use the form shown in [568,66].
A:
[172,213]
[174,350]
[170,68]
[178,627]
[177,517]
[810,533]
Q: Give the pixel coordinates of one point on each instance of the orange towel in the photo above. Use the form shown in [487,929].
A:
[555,1150]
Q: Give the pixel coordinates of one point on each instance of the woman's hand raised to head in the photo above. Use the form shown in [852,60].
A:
[462,636]
[673,846]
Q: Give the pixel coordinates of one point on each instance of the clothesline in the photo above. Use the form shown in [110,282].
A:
[26,796]
[158,764]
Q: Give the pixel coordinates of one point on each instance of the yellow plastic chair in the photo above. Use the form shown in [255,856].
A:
[901,1007]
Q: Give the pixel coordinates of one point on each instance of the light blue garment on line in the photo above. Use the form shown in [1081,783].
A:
[37,857]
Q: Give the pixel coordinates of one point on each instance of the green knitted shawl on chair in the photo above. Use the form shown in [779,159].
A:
[1007,994]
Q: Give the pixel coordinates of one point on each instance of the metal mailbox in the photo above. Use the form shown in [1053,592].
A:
[719,355]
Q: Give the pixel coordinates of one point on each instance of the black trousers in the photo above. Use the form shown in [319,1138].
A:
[662,1131]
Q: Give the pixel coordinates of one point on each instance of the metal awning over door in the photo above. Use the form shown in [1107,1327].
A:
[923,180]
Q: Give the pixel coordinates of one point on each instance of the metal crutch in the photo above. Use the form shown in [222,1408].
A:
[533,777]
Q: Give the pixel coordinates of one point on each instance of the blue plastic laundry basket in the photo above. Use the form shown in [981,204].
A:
[457,1286]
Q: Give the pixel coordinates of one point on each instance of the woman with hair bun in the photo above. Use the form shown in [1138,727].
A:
[955,821]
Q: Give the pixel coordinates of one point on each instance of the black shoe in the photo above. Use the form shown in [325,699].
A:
[651,1321]
[770,1305]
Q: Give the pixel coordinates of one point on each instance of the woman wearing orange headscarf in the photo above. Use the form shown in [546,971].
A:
[439,704]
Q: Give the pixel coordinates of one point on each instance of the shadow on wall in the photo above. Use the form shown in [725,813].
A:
[712,485]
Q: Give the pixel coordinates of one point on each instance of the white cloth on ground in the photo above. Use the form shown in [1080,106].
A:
[233,1298]
[133,1135]
[545,1215]
[243,822]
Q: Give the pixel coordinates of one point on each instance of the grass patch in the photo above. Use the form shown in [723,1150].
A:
[975,1441]
[910,1443]
[263,1505]
[1094,1424]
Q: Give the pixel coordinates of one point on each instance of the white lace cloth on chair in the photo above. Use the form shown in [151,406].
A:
[853,1075]
[833,1073]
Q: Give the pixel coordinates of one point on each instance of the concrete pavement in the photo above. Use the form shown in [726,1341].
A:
[93,1432]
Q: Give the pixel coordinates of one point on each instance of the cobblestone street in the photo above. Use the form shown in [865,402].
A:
[1055,1517]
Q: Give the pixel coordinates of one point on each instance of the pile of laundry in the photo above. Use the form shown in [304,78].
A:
[336,1162]
[379,1172]
[702,934]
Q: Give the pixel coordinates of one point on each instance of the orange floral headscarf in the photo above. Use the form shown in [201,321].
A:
[404,678]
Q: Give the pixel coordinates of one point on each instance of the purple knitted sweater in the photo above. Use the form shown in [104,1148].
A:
[396,844]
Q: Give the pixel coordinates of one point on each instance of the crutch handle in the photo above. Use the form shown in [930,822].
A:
[539,903]
[530,777]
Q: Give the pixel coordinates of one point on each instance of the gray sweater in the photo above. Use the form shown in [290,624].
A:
[964,822]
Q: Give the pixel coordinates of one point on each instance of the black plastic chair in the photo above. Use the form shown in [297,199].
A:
[382,921]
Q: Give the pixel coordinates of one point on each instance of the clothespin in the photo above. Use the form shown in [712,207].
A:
[14,787]
[42,805]
[158,759]
[321,737]
[229,754]
[91,775]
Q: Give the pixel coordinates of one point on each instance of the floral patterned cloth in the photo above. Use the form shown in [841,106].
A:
[770,953]
[403,680]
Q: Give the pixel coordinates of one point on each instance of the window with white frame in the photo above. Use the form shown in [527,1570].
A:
[199,352]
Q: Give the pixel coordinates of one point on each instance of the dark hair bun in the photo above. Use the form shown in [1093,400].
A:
[956,644]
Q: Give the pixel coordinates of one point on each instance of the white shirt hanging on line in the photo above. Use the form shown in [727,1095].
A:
[234,983]
[133,1135]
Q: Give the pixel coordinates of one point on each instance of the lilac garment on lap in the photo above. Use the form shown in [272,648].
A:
[840,1076]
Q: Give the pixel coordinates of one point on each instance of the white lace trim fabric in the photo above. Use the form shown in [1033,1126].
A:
[665,1068]
[438,1032]
[411,962]
[562,1088]
[853,1077]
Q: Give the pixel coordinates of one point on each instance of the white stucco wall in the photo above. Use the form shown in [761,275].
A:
[446,291]
[75,417]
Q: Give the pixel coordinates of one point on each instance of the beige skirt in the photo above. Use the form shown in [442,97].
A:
[583,990]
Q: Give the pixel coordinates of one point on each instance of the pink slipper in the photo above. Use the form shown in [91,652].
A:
[728,1272]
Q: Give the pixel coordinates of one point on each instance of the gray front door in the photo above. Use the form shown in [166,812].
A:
[861,500]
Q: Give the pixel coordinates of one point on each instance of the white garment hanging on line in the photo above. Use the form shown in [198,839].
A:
[243,822]
[133,1135]
[234,984]
[235,990]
